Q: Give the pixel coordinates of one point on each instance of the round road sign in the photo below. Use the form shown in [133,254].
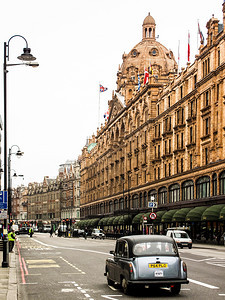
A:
[152,216]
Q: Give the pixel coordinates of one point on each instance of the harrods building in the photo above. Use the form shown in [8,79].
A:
[164,143]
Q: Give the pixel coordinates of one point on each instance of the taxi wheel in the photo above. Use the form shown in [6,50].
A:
[125,286]
[110,282]
[189,246]
[175,290]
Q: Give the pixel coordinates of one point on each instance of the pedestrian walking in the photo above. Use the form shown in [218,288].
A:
[11,238]
[51,232]
[31,232]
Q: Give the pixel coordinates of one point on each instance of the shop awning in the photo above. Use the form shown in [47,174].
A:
[93,222]
[212,213]
[159,215]
[222,214]
[167,217]
[180,215]
[116,219]
[195,214]
[138,219]
[103,221]
[125,220]
[110,221]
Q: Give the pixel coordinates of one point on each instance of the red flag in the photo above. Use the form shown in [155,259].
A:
[146,76]
[188,46]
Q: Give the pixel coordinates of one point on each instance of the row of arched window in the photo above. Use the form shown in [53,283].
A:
[188,190]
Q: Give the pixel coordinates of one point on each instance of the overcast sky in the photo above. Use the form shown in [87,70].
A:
[52,109]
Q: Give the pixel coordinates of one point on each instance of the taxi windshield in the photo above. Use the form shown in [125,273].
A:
[155,248]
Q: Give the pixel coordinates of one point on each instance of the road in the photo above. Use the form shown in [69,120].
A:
[72,268]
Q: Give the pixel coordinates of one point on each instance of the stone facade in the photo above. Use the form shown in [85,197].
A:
[56,200]
[167,140]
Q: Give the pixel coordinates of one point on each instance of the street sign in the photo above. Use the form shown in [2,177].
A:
[152,204]
[152,216]
[145,219]
[3,199]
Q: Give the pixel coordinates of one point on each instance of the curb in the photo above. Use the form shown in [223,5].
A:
[12,284]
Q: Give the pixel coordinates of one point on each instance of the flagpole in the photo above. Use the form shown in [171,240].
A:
[99,105]
[178,57]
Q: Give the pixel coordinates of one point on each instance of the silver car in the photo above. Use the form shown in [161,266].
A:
[146,261]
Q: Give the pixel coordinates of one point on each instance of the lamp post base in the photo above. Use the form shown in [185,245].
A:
[5,261]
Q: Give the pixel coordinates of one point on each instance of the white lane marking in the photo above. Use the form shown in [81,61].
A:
[198,260]
[76,249]
[221,295]
[110,297]
[67,290]
[203,284]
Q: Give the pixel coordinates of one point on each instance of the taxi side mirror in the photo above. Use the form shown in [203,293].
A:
[112,252]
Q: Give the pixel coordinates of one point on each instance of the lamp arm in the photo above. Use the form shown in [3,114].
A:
[7,45]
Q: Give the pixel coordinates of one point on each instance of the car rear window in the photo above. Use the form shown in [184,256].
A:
[155,248]
[182,235]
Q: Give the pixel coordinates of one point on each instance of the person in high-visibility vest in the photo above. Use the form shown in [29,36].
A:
[11,238]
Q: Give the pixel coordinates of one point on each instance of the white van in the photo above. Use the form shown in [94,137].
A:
[181,238]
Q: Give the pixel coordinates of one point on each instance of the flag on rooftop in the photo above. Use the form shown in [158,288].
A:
[189,46]
[200,34]
[102,88]
[146,76]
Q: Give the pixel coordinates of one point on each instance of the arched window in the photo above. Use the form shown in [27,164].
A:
[222,183]
[214,184]
[203,187]
[187,190]
[152,196]
[110,206]
[145,204]
[102,211]
[162,195]
[121,204]
[116,205]
[135,201]
[140,200]
[174,193]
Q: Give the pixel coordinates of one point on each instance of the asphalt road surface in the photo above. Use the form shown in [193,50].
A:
[73,268]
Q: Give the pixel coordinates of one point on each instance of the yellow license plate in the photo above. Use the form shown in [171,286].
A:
[158,265]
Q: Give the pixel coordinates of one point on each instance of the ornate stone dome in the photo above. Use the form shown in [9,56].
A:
[146,53]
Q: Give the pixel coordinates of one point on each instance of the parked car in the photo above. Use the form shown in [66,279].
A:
[46,228]
[97,233]
[181,237]
[146,261]
[23,230]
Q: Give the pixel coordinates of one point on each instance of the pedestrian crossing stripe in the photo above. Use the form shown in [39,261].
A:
[41,263]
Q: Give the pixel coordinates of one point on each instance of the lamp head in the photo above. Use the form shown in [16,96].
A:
[26,55]
[19,153]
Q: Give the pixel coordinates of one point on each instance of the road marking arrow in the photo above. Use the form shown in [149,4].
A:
[110,297]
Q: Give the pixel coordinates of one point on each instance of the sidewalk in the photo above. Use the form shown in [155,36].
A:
[8,278]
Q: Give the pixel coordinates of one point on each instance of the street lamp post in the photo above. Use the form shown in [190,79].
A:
[26,56]
[18,154]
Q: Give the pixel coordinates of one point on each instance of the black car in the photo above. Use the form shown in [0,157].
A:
[146,261]
[23,230]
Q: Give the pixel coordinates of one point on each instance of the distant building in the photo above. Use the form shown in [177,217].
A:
[164,144]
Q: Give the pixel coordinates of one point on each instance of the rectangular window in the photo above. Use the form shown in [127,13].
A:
[165,147]
[191,163]
[169,101]
[158,172]
[195,81]
[169,146]
[181,165]
[182,140]
[217,92]
[177,136]
[207,126]
[207,98]
[206,156]
[165,170]
[181,92]
[169,169]
[158,151]
[191,135]
[177,164]
[218,57]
